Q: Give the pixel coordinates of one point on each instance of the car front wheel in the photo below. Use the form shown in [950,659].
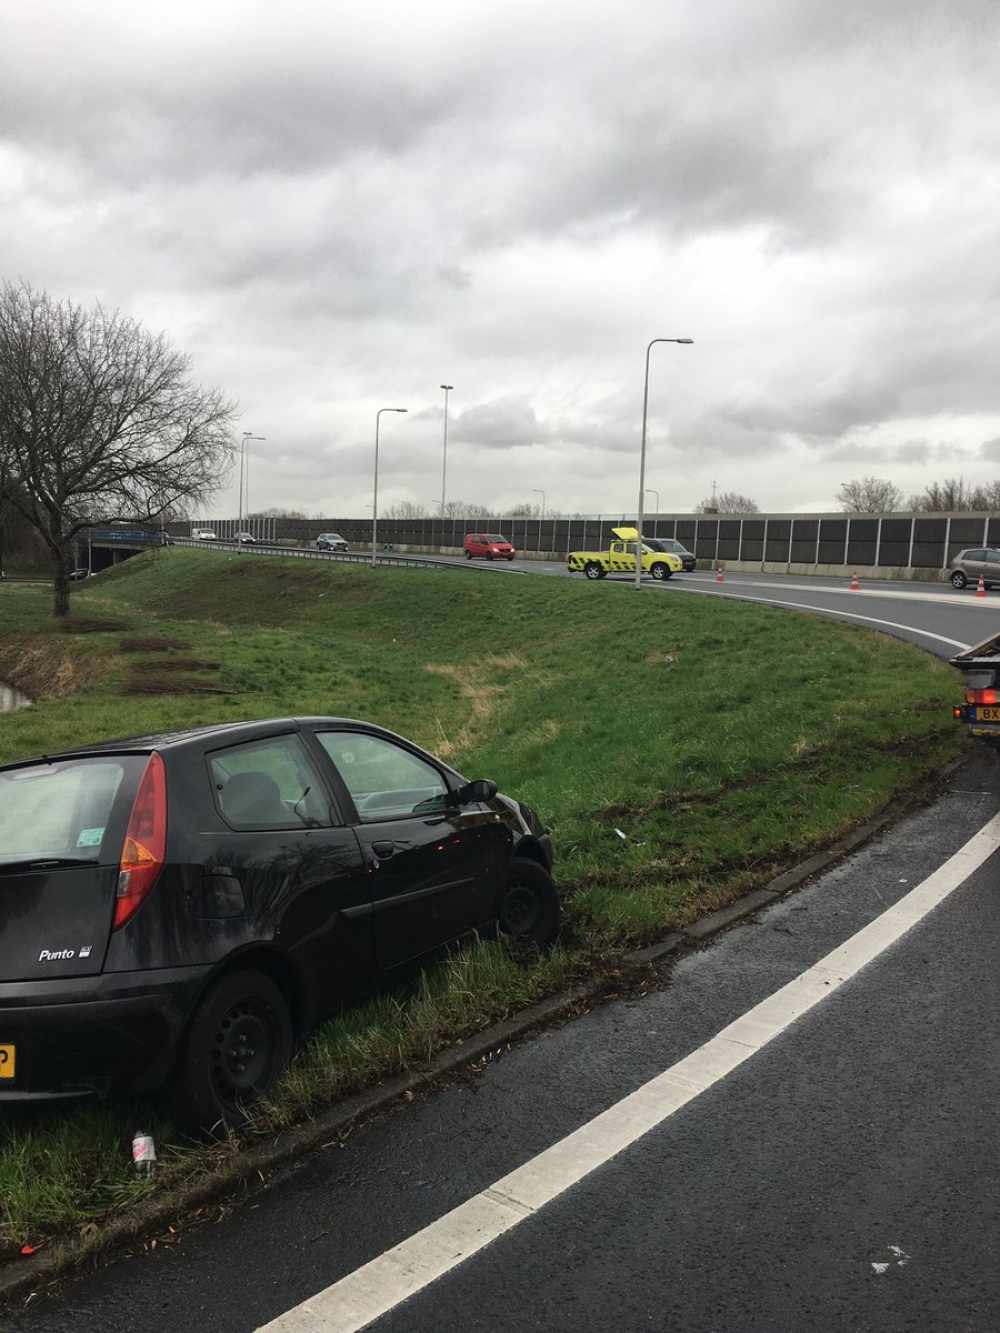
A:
[958,579]
[530,907]
[660,572]
[238,1042]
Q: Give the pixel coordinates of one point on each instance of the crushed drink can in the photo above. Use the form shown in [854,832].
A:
[143,1154]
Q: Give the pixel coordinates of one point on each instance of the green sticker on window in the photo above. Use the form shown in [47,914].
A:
[90,837]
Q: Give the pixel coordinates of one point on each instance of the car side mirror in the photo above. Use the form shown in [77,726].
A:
[482,789]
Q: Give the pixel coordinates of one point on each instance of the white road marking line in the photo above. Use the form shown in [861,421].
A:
[836,613]
[373,1290]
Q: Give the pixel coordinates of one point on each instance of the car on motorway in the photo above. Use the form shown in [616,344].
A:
[968,565]
[245,539]
[78,575]
[331,541]
[489,545]
[177,909]
[674,547]
[204,535]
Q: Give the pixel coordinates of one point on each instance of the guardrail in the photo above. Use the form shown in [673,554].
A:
[307,553]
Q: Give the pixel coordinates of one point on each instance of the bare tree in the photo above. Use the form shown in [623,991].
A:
[406,509]
[465,509]
[99,421]
[729,502]
[870,495]
[955,496]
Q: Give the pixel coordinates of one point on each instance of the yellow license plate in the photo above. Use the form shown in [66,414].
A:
[987,714]
[6,1061]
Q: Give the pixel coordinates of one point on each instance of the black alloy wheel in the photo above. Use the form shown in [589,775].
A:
[239,1041]
[530,907]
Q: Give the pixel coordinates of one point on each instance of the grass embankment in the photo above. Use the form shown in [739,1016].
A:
[682,750]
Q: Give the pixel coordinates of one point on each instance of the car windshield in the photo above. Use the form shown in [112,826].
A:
[58,811]
[501,541]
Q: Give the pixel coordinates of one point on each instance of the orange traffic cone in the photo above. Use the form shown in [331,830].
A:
[981,590]
[718,575]
[855,585]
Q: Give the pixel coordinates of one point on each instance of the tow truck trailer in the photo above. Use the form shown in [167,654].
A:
[980,668]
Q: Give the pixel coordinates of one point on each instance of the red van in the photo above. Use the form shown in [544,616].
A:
[489,545]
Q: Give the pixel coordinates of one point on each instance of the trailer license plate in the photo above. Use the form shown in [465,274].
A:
[987,714]
[6,1061]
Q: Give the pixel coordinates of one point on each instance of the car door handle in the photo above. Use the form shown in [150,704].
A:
[383,848]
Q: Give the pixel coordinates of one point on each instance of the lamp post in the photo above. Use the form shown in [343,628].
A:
[444,465]
[650,491]
[642,458]
[542,494]
[375,486]
[244,471]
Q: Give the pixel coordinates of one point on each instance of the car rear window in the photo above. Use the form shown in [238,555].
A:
[60,810]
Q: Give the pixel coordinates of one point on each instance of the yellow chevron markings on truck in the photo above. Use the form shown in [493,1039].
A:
[620,559]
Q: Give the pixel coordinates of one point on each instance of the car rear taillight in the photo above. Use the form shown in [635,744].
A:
[145,843]
[982,696]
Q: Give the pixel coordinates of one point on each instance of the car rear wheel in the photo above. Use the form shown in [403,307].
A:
[592,571]
[530,907]
[238,1042]
[958,579]
[468,555]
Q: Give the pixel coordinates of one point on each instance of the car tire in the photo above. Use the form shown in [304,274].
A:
[529,911]
[958,579]
[238,1042]
[509,559]
[592,571]
[489,555]
[468,555]
[660,571]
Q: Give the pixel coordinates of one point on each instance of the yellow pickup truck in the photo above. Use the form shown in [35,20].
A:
[620,559]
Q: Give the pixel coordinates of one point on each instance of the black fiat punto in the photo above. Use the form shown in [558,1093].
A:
[176,909]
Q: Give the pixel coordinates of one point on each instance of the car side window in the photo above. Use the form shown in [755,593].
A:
[993,557]
[385,780]
[269,784]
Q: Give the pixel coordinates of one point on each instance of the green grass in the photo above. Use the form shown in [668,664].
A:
[724,741]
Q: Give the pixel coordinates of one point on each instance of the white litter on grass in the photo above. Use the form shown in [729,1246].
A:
[620,833]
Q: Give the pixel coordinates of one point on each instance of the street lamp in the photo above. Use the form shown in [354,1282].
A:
[642,458]
[375,487]
[650,491]
[542,494]
[444,466]
[244,471]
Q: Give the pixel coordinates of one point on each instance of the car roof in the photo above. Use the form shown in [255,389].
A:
[232,733]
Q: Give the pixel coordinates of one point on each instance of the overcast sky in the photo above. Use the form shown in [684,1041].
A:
[338,207]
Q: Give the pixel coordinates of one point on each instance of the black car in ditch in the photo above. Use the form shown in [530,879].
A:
[176,909]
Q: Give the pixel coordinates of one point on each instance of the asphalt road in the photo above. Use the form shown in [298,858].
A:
[844,1177]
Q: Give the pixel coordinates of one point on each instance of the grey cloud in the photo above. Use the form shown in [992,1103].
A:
[502,424]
